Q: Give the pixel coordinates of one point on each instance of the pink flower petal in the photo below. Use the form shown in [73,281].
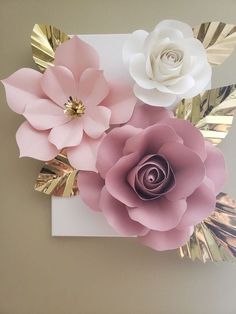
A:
[168,240]
[117,216]
[187,167]
[90,185]
[68,134]
[77,56]
[93,87]
[121,102]
[117,184]
[151,139]
[161,214]
[192,137]
[34,143]
[43,114]
[22,88]
[96,121]
[215,167]
[112,146]
[199,205]
[59,84]
[145,115]
[84,156]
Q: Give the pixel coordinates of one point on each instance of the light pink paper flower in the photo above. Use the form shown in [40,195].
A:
[70,106]
[157,178]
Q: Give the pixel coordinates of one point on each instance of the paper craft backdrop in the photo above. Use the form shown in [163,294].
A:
[41,274]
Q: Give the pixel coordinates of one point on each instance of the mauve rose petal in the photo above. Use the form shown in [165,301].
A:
[188,169]
[145,115]
[168,240]
[117,184]
[90,185]
[199,205]
[161,214]
[117,216]
[192,137]
[151,139]
[111,147]
[215,167]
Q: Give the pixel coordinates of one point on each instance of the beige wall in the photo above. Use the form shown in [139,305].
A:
[44,275]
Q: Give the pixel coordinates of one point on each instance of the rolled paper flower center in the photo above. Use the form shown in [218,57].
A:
[172,56]
[151,177]
[74,107]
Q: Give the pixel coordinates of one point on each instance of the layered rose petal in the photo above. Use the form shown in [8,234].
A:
[90,185]
[145,116]
[117,216]
[134,44]
[67,135]
[215,167]
[84,156]
[185,29]
[58,83]
[185,164]
[141,143]
[200,204]
[35,144]
[111,147]
[167,240]
[81,56]
[161,214]
[22,88]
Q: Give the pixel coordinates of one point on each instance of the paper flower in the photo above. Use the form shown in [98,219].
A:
[70,106]
[157,178]
[166,64]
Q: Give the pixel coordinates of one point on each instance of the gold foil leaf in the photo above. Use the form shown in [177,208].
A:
[218,38]
[44,41]
[211,112]
[215,238]
[57,177]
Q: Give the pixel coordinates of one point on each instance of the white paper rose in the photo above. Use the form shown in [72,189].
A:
[166,64]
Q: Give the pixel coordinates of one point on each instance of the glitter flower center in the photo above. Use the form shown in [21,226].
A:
[74,107]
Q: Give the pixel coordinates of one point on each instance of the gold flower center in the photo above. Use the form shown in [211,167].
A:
[74,107]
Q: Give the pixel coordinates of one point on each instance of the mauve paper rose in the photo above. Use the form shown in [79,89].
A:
[69,106]
[166,64]
[157,178]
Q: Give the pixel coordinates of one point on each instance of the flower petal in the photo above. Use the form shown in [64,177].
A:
[112,146]
[84,156]
[150,140]
[161,214]
[134,44]
[68,134]
[154,97]
[137,69]
[59,84]
[177,25]
[77,56]
[90,185]
[93,87]
[96,121]
[215,167]
[34,143]
[168,240]
[22,88]
[199,205]
[192,137]
[121,101]
[43,114]
[117,216]
[117,184]
[188,168]
[145,115]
